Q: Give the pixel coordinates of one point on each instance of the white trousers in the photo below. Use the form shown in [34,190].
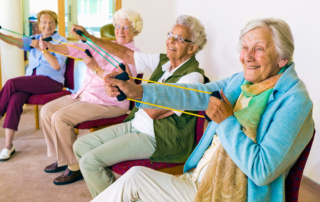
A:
[145,184]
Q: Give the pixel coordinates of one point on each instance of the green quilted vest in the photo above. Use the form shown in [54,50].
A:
[175,136]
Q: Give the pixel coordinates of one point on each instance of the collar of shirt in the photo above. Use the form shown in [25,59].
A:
[54,36]
[167,66]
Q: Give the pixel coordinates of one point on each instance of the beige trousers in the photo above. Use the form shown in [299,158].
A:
[145,184]
[98,151]
[58,119]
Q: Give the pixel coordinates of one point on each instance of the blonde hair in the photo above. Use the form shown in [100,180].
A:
[281,34]
[130,15]
[47,12]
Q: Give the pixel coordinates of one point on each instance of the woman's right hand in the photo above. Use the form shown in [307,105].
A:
[43,45]
[91,63]
[73,30]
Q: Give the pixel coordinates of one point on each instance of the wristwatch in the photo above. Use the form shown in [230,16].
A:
[96,71]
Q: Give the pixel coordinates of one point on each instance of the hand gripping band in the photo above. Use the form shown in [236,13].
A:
[48,39]
[214,94]
[124,77]
[80,33]
[88,53]
[122,66]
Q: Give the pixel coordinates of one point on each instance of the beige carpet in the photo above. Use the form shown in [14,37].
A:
[22,178]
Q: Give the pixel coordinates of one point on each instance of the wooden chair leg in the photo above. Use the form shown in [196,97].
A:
[76,130]
[36,113]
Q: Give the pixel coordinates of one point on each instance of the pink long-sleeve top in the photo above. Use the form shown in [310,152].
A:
[92,89]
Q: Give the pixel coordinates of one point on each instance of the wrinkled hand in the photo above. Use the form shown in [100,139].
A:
[74,28]
[90,62]
[35,44]
[219,110]
[43,45]
[127,87]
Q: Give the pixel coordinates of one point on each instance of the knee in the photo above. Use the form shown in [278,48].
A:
[10,82]
[90,162]
[45,112]
[135,171]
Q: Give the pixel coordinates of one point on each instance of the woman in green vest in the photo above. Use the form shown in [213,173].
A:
[160,135]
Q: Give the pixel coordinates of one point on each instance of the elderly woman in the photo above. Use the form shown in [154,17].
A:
[60,116]
[44,68]
[258,130]
[161,135]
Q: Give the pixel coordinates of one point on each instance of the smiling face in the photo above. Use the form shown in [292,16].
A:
[259,57]
[124,36]
[178,52]
[47,25]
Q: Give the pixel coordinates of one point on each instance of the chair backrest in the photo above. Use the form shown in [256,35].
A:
[200,126]
[107,30]
[294,177]
[137,82]
[69,74]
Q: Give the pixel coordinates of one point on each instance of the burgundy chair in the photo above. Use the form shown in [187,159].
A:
[45,98]
[294,177]
[101,123]
[172,168]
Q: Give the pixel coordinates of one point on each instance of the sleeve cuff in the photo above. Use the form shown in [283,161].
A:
[26,41]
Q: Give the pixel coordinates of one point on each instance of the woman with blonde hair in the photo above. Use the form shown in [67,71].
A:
[45,74]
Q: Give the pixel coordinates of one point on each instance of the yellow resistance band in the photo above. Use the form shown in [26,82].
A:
[166,84]
[68,45]
[166,108]
[65,55]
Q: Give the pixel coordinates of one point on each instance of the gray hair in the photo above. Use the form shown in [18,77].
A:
[198,34]
[130,15]
[281,34]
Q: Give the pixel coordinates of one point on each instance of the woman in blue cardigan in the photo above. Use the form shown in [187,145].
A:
[258,130]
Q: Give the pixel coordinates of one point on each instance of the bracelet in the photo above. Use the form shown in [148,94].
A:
[96,71]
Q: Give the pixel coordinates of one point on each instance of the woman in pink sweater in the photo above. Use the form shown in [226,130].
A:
[60,116]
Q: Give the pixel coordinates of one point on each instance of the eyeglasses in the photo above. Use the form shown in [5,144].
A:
[125,28]
[43,22]
[179,38]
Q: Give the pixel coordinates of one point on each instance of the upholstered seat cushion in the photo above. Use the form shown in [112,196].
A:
[123,167]
[45,98]
[101,122]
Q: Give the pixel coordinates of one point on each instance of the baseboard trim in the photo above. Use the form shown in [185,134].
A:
[312,184]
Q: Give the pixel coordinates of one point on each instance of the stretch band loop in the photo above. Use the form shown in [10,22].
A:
[166,108]
[47,49]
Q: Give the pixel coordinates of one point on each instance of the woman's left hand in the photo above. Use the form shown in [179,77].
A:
[90,62]
[43,45]
[219,110]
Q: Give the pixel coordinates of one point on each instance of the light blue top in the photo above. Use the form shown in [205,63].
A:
[37,60]
[285,129]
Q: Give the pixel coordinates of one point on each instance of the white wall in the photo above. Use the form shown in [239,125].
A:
[223,21]
[157,18]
